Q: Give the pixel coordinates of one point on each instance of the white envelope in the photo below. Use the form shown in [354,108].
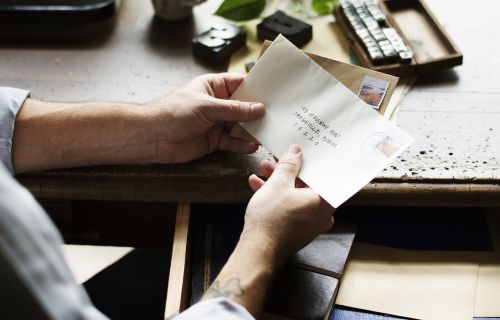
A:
[346,143]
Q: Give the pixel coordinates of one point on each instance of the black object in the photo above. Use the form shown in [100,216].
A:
[56,10]
[218,43]
[32,20]
[298,32]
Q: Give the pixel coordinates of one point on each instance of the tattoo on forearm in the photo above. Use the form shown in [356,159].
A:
[231,288]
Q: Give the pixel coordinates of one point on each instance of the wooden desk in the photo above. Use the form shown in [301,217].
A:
[454,116]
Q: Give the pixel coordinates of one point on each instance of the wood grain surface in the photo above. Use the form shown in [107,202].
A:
[454,115]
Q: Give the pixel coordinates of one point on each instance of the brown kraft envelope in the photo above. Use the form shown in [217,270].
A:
[349,75]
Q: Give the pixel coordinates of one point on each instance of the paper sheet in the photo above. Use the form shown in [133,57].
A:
[328,41]
[487,302]
[404,85]
[87,261]
[346,143]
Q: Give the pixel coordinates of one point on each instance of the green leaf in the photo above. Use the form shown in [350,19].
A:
[323,7]
[241,10]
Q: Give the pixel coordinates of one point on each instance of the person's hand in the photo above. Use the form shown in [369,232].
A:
[196,119]
[284,214]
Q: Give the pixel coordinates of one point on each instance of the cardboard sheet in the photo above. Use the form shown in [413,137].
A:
[422,284]
[415,284]
[346,143]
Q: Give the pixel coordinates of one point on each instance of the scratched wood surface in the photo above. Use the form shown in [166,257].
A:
[454,116]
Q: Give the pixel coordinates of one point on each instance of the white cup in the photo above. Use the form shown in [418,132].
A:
[173,10]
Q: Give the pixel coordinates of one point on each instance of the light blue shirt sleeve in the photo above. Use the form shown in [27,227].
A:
[11,100]
[216,309]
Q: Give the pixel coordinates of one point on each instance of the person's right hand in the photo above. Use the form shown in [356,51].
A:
[285,215]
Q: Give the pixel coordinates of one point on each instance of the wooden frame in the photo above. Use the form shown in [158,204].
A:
[180,264]
[187,184]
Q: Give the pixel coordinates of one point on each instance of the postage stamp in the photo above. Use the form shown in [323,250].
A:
[373,91]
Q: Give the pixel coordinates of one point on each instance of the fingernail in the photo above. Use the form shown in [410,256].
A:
[294,150]
[257,108]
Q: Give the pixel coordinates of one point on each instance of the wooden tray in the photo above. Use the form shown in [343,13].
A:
[432,47]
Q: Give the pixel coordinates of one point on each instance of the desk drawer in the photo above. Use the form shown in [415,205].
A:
[113,223]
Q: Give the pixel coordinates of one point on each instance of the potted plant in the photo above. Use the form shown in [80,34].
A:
[242,10]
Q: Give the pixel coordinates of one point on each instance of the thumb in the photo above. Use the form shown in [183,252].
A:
[233,110]
[288,167]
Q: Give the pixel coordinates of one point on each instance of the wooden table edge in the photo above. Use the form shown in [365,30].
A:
[234,189]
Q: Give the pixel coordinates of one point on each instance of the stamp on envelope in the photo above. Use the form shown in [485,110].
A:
[382,142]
[373,91]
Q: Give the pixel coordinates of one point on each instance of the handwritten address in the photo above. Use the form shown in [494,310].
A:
[314,128]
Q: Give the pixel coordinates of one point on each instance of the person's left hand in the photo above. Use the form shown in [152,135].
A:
[196,119]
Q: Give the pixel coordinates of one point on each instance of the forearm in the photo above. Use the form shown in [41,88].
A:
[55,135]
[247,275]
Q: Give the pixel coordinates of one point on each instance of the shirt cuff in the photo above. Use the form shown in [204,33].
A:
[215,309]
[11,100]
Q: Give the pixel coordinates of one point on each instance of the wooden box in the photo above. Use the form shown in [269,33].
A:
[432,47]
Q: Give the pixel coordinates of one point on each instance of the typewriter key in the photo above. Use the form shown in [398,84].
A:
[405,56]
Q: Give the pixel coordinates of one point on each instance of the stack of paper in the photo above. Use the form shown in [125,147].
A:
[346,142]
